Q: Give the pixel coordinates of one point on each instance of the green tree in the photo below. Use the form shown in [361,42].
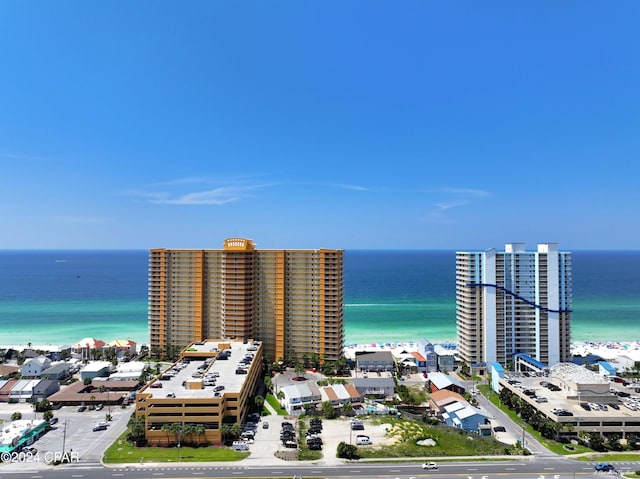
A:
[43,405]
[299,369]
[613,441]
[16,416]
[596,442]
[259,402]
[137,429]
[315,360]
[347,408]
[87,381]
[225,431]
[173,429]
[328,411]
[268,383]
[632,441]
[235,430]
[48,415]
[347,451]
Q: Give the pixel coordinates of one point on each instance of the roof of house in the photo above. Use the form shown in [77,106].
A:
[89,343]
[374,382]
[57,368]
[374,356]
[44,384]
[122,343]
[418,356]
[95,366]
[6,369]
[441,380]
[297,390]
[339,392]
[442,351]
[37,360]
[444,397]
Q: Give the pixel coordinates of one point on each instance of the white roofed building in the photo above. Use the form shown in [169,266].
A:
[297,396]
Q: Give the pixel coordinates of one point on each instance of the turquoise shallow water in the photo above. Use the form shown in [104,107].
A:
[50,297]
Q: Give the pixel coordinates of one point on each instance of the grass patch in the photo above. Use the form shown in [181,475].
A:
[123,451]
[273,402]
[448,442]
[304,453]
[610,457]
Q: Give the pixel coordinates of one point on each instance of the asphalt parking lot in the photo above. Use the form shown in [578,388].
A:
[74,430]
[267,441]
[74,433]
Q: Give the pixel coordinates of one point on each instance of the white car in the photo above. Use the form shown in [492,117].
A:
[362,440]
[430,466]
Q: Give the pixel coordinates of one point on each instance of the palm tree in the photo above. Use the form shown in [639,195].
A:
[235,430]
[136,428]
[259,402]
[299,369]
[198,430]
[268,383]
[173,428]
[187,431]
[225,430]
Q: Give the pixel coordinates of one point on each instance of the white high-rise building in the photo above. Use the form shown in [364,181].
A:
[515,301]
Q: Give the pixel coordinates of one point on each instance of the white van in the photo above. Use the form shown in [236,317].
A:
[362,440]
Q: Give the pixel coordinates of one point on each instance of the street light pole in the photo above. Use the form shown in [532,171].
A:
[64,436]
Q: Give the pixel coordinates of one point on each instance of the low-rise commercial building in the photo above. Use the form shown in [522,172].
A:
[579,400]
[211,385]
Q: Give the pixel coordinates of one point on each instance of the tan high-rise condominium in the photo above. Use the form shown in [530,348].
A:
[291,300]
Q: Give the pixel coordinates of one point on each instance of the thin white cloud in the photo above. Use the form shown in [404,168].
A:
[353,187]
[464,191]
[460,197]
[450,204]
[214,196]
[81,219]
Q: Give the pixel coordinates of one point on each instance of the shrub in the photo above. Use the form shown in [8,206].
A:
[347,451]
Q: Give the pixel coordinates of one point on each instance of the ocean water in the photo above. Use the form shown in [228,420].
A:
[54,297]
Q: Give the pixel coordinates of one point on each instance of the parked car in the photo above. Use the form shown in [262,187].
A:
[603,466]
[430,466]
[99,427]
[362,440]
[82,408]
[499,429]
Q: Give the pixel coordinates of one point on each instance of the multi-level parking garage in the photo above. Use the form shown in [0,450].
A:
[578,400]
[212,384]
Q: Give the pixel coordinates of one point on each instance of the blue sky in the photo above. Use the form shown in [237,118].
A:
[435,125]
